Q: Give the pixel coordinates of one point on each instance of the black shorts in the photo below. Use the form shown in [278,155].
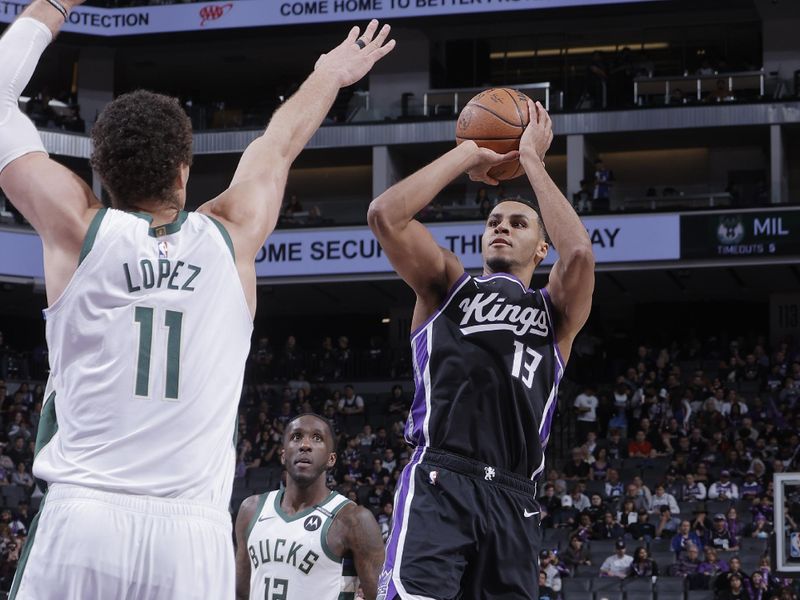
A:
[462,530]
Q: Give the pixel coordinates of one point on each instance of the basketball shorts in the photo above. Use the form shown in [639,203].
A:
[462,530]
[86,544]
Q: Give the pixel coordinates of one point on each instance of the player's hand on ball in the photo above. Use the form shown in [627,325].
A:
[483,160]
[538,135]
[354,57]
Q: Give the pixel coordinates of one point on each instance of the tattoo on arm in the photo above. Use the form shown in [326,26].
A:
[364,540]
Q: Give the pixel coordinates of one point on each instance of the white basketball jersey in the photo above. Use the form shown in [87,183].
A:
[289,555]
[147,348]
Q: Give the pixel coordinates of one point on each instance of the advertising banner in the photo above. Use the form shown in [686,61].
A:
[354,250]
[264,13]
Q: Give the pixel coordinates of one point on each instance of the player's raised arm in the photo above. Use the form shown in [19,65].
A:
[572,278]
[429,269]
[52,198]
[250,207]
[247,511]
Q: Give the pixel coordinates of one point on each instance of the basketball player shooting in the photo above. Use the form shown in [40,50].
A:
[488,355]
[148,328]
[306,541]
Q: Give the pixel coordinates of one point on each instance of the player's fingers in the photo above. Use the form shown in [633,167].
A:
[383,51]
[532,114]
[353,35]
[379,39]
[543,114]
[369,32]
[508,156]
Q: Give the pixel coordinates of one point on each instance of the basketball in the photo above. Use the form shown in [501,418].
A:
[495,119]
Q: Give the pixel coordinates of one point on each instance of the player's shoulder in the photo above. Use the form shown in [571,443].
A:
[249,507]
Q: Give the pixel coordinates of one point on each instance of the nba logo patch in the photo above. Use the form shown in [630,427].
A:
[163,250]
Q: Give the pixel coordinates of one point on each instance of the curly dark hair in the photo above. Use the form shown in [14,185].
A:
[141,140]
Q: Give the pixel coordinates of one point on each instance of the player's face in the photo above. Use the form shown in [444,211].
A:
[512,238]
[307,450]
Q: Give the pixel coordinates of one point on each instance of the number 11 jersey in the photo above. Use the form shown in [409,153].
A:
[147,347]
[486,372]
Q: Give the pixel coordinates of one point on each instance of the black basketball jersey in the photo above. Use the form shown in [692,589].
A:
[486,370]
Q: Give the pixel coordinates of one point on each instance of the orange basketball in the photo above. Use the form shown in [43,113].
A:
[495,119]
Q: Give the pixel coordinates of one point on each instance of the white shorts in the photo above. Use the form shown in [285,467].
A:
[93,545]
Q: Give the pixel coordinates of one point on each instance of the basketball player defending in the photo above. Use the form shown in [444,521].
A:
[306,541]
[488,355]
[148,327]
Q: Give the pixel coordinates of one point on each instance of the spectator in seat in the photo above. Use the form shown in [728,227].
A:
[692,491]
[684,537]
[618,564]
[688,563]
[720,537]
[608,528]
[599,468]
[642,529]
[712,565]
[640,447]
[759,528]
[725,582]
[576,554]
[617,447]
[548,564]
[667,524]
[545,592]
[724,489]
[736,590]
[614,488]
[586,405]
[351,404]
[662,498]
[577,468]
[643,565]
[750,487]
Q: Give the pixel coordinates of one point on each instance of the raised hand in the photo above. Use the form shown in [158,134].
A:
[483,160]
[355,56]
[538,135]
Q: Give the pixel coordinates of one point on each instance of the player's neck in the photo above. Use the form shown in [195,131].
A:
[297,498]
[160,213]
[523,276]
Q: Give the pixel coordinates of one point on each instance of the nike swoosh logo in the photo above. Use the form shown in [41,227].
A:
[264,518]
[528,514]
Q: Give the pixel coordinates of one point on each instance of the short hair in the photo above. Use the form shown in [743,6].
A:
[141,140]
[326,422]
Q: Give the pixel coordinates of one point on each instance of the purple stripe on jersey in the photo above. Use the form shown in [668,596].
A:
[546,296]
[419,407]
[401,499]
[547,418]
[444,304]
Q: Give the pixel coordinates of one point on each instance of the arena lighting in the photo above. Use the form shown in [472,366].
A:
[576,50]
[385,320]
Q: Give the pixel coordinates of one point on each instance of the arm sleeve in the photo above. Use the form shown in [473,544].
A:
[21,47]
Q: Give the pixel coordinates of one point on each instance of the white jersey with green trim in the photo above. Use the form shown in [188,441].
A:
[147,349]
[289,555]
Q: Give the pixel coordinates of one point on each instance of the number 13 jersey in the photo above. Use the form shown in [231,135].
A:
[486,372]
[147,346]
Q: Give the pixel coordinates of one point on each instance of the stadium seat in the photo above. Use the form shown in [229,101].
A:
[717,506]
[629,595]
[604,584]
[638,584]
[588,570]
[752,545]
[659,545]
[609,595]
[670,584]
[576,585]
[670,596]
[13,495]
[663,559]
[700,595]
[595,487]
[601,549]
